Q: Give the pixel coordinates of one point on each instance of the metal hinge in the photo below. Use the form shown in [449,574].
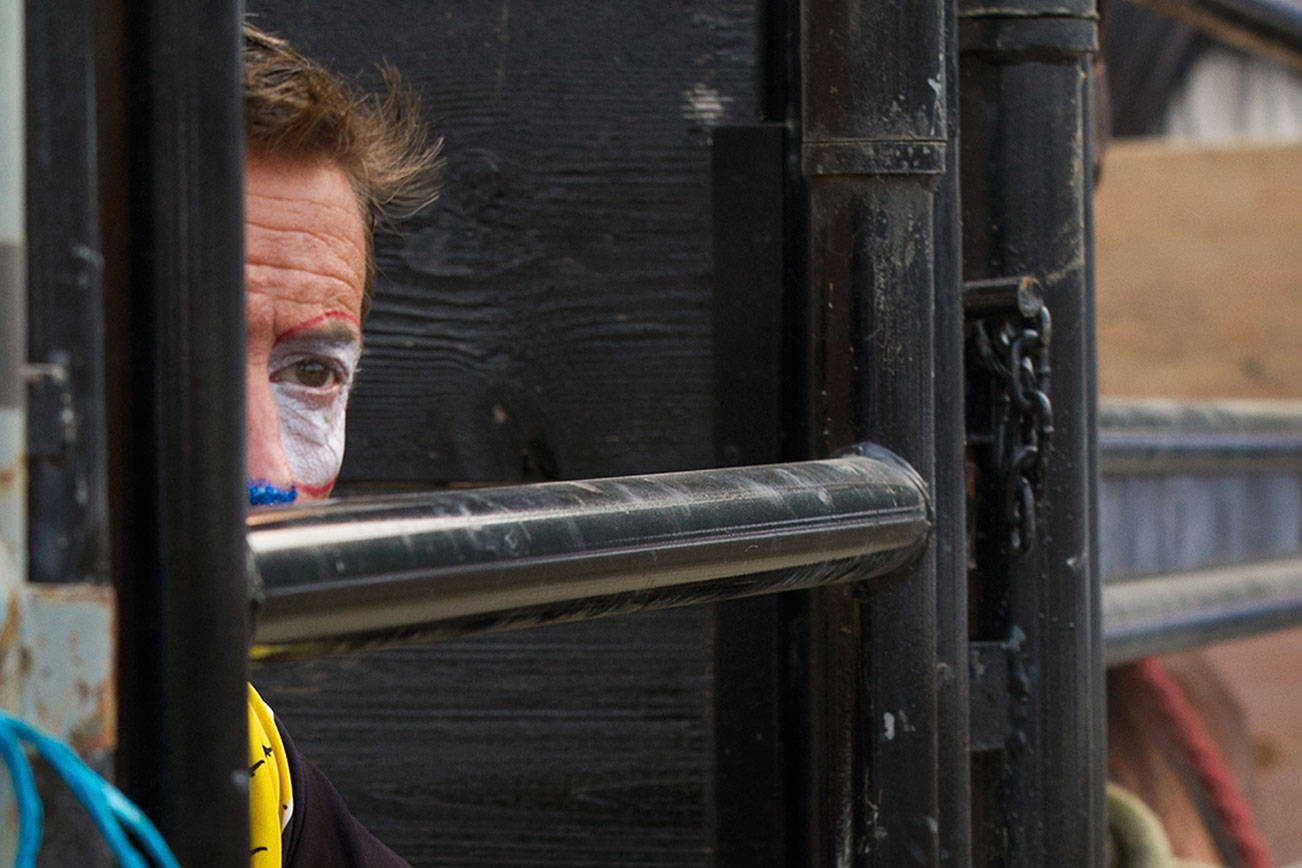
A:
[1010,419]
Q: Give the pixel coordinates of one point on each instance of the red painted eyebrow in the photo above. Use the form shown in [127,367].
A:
[319,318]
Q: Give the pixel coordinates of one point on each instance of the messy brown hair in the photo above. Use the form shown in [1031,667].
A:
[295,107]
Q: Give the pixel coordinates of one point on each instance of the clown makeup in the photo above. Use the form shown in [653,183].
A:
[263,493]
[311,369]
[304,276]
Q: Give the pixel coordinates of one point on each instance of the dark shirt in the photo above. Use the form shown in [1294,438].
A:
[322,833]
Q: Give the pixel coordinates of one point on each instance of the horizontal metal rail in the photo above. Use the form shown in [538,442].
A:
[1219,456]
[363,572]
[1166,438]
[1269,27]
[1179,611]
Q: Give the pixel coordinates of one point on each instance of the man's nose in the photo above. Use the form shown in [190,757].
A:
[266,457]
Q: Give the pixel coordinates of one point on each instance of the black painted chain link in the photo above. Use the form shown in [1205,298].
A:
[1018,355]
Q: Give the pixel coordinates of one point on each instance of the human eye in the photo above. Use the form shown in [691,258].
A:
[318,374]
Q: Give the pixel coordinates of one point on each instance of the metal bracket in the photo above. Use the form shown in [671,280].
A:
[51,417]
[1008,331]
[997,678]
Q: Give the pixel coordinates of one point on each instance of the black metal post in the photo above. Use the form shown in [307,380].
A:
[171,153]
[874,136]
[1026,177]
[950,495]
[67,513]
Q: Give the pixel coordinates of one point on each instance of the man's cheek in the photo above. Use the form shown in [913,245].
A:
[312,437]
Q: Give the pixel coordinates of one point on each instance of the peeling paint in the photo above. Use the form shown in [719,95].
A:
[67,632]
[704,104]
[13,506]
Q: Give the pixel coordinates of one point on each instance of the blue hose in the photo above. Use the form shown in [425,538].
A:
[29,803]
[110,811]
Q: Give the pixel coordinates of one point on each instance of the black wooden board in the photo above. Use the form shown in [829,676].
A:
[588,744]
[549,317]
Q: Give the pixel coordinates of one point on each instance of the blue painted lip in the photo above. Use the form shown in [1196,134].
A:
[263,493]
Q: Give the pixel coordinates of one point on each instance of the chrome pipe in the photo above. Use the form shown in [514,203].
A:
[363,572]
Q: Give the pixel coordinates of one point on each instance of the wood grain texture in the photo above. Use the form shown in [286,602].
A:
[1199,271]
[583,745]
[549,317]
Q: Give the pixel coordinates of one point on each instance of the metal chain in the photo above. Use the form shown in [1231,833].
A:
[1018,356]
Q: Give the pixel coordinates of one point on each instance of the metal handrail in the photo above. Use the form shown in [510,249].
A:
[1161,437]
[1178,611]
[362,572]
[1214,442]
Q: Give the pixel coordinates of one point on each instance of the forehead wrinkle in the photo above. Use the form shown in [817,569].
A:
[303,286]
[334,234]
[313,204]
[304,250]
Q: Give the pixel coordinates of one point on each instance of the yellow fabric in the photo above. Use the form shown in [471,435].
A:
[271,796]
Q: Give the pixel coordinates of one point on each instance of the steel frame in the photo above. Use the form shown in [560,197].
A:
[895,710]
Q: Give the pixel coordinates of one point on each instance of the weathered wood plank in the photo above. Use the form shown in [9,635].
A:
[1199,271]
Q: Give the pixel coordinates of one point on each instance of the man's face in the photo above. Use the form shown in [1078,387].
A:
[304,272]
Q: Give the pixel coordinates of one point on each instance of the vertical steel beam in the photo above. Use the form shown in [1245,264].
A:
[1025,176]
[873,130]
[66,507]
[171,154]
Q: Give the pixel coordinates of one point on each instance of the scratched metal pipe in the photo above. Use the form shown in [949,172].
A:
[378,571]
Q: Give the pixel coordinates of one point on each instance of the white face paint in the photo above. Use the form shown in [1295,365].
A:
[310,379]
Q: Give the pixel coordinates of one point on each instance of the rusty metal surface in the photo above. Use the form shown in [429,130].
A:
[13,533]
[12,536]
[66,661]
[56,667]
